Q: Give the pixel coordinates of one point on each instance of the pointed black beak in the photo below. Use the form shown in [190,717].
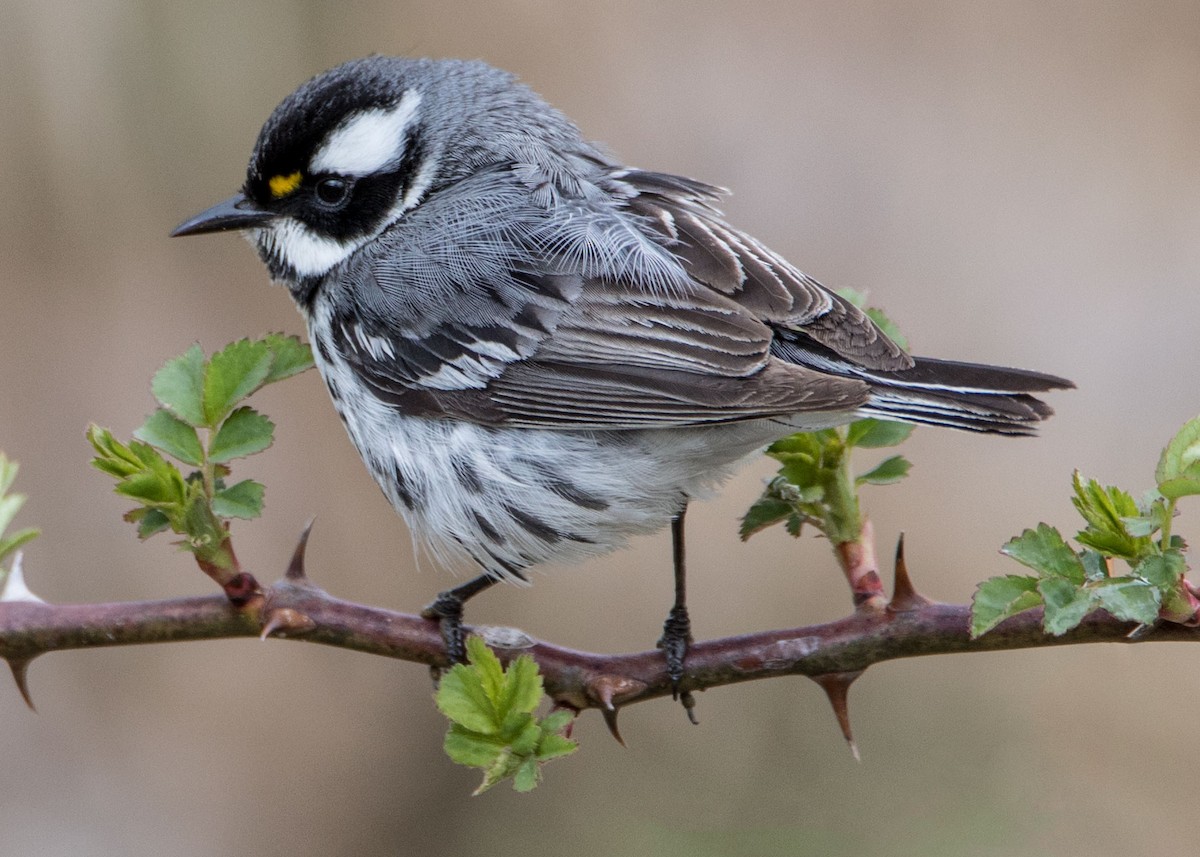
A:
[237,212]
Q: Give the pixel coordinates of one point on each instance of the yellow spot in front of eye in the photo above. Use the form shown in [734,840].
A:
[282,186]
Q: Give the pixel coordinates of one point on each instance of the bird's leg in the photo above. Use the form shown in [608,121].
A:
[447,609]
[677,630]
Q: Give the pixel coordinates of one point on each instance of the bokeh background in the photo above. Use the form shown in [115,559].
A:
[1015,182]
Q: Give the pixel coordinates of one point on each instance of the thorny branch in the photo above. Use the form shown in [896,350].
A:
[834,653]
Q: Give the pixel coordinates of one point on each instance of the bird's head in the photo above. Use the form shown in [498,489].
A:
[354,149]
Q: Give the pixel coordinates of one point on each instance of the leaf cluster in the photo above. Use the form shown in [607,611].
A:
[10,504]
[202,423]
[492,724]
[815,485]
[1071,582]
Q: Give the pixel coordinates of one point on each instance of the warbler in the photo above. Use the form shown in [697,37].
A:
[538,350]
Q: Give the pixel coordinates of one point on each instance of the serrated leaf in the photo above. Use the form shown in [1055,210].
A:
[1066,604]
[1045,552]
[874,434]
[243,500]
[290,357]
[233,373]
[504,766]
[173,436]
[1129,600]
[794,526]
[887,472]
[766,512]
[1178,471]
[466,747]
[243,433]
[1095,565]
[179,386]
[461,697]
[801,443]
[153,521]
[1001,597]
[1104,508]
[557,720]
[1162,570]
[490,671]
[527,776]
[524,741]
[112,457]
[553,746]
[522,687]
[802,471]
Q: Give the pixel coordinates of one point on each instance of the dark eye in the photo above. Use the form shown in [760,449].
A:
[332,191]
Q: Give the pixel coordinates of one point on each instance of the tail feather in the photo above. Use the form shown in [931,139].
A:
[970,396]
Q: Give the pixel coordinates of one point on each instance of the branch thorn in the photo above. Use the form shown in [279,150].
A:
[14,587]
[20,674]
[905,597]
[836,687]
[608,690]
[286,622]
[295,570]
[610,720]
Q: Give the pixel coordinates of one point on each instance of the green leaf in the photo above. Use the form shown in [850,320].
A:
[461,697]
[149,521]
[873,434]
[1045,552]
[1129,600]
[9,506]
[173,436]
[244,432]
[765,512]
[1001,597]
[802,471]
[1162,570]
[158,482]
[1105,508]
[179,386]
[243,500]
[1095,565]
[1066,604]
[234,372]
[11,542]
[887,472]
[1178,472]
[522,689]
[112,457]
[553,746]
[471,748]
[290,357]
[8,474]
[527,776]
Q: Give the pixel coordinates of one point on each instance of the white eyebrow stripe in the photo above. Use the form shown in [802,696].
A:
[367,141]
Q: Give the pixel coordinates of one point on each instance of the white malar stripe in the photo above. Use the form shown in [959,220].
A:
[367,141]
[308,253]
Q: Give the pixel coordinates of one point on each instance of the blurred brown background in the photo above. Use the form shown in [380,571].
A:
[1015,182]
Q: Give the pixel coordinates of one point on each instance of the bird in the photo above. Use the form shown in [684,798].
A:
[539,351]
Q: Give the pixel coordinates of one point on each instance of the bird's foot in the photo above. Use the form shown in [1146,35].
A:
[447,611]
[676,637]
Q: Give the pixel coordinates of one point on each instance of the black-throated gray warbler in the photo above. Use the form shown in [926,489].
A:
[539,351]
